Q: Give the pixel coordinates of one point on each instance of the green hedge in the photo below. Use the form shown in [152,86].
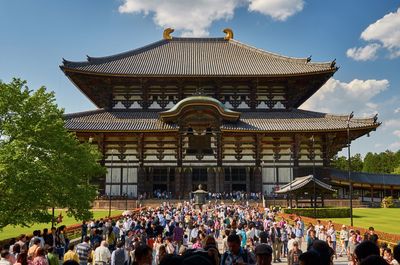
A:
[321,212]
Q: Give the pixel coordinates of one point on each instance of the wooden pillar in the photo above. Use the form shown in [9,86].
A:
[103,150]
[372,193]
[391,191]
[179,183]
[210,180]
[247,179]
[219,148]
[220,178]
[362,193]
[141,178]
[188,181]
[257,179]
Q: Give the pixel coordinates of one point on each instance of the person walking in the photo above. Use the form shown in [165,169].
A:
[71,254]
[120,255]
[344,240]
[236,254]
[102,255]
[83,250]
[275,237]
[294,254]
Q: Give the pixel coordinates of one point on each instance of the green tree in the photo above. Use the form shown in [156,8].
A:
[342,163]
[42,165]
[370,163]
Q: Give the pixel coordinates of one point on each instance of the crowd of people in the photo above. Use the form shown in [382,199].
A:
[235,195]
[217,234]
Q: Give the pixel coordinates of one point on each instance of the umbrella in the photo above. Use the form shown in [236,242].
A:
[126,213]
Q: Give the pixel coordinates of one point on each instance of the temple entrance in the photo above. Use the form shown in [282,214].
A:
[235,179]
[199,176]
[238,187]
[160,187]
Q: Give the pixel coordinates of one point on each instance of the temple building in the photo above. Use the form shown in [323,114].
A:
[181,112]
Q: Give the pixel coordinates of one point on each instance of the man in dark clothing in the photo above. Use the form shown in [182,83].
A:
[119,255]
[236,254]
[365,249]
[49,238]
[84,230]
[372,236]
[263,254]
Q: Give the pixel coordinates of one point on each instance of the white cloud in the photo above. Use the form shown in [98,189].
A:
[397,133]
[277,9]
[391,123]
[194,17]
[341,97]
[394,146]
[385,31]
[363,53]
[397,110]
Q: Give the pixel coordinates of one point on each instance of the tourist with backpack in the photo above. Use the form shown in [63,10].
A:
[236,255]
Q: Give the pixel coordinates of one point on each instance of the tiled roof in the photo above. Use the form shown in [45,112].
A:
[366,178]
[301,182]
[294,120]
[198,57]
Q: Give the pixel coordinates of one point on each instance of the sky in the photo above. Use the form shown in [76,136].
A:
[362,35]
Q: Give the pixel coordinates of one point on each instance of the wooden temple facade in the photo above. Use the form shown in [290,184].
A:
[214,111]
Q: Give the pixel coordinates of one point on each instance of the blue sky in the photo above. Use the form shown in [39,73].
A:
[363,36]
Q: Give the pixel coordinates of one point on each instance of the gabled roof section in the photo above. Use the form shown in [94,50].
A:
[192,102]
[198,57]
[302,182]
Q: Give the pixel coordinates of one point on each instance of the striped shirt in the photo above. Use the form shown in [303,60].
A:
[82,250]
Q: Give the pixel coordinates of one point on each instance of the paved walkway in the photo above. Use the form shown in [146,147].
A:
[338,261]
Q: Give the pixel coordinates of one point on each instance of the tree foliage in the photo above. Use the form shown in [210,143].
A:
[42,165]
[387,162]
[384,162]
[342,163]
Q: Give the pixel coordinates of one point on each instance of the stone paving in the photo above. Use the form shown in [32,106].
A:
[338,261]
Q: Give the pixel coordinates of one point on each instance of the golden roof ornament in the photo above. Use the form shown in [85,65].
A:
[167,33]
[229,34]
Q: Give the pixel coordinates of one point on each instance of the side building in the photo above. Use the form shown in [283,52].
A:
[214,111]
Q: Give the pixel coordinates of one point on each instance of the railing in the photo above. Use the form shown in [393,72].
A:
[72,231]
[391,239]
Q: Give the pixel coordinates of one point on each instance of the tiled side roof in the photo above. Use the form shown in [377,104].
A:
[366,178]
[298,183]
[295,120]
[198,57]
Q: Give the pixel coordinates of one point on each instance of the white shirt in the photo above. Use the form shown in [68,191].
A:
[4,261]
[332,233]
[194,233]
[290,244]
[102,254]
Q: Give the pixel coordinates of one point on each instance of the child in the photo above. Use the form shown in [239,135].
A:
[294,253]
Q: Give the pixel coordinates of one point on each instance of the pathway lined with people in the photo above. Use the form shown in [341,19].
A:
[218,234]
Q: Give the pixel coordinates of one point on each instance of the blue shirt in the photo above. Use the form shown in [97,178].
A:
[299,232]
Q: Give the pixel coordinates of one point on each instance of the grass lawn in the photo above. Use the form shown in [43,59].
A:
[382,219]
[14,231]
